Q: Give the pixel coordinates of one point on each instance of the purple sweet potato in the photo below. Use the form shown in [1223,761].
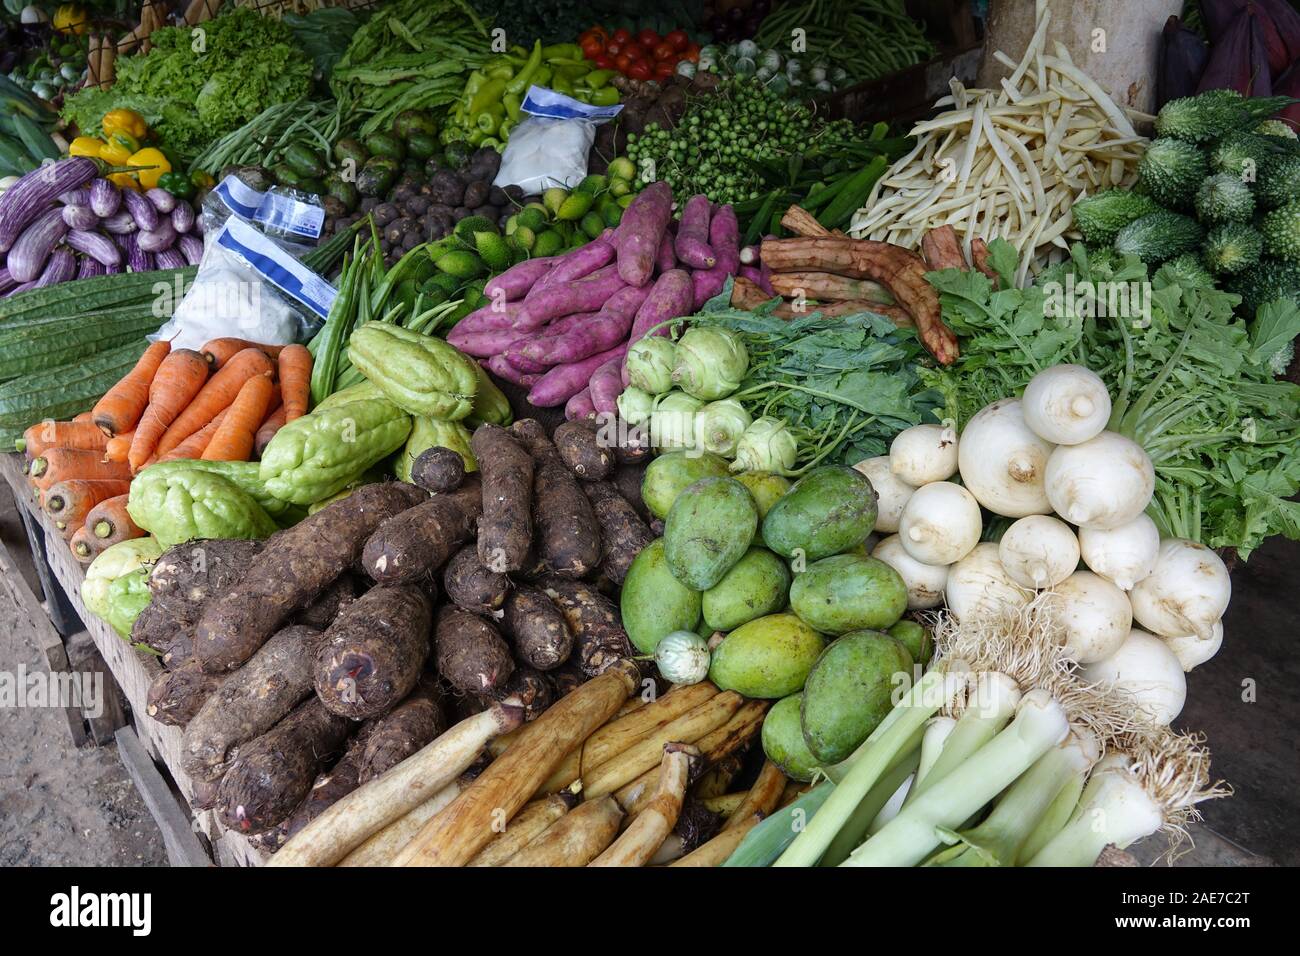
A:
[472,585]
[515,282]
[493,317]
[250,702]
[670,298]
[291,571]
[410,725]
[724,237]
[665,257]
[415,543]
[606,386]
[608,329]
[579,447]
[176,695]
[579,407]
[537,627]
[373,653]
[622,532]
[273,773]
[582,262]
[557,299]
[489,343]
[505,532]
[640,231]
[470,653]
[515,357]
[564,381]
[692,242]
[757,276]
[503,370]
[568,538]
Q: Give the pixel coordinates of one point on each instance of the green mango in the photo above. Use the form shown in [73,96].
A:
[849,691]
[829,510]
[667,475]
[916,638]
[769,657]
[783,741]
[757,584]
[709,529]
[654,603]
[847,592]
[766,488]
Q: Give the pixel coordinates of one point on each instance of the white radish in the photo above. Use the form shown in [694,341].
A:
[1186,593]
[1125,554]
[924,453]
[1146,668]
[1003,463]
[891,491]
[925,582]
[1103,482]
[1039,551]
[1192,650]
[1067,404]
[980,588]
[940,523]
[1094,614]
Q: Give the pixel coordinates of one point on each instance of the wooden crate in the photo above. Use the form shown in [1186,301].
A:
[133,671]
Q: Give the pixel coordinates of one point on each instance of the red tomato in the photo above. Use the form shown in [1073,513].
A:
[613,48]
[622,36]
[648,38]
[605,62]
[592,47]
[622,63]
[663,51]
[664,69]
[640,70]
[692,53]
[679,40]
[636,51]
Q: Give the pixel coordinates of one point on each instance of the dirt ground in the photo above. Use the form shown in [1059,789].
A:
[60,805]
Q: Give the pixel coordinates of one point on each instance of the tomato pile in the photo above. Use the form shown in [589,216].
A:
[642,56]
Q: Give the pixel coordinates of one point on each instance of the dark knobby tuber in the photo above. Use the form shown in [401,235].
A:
[438,469]
[470,653]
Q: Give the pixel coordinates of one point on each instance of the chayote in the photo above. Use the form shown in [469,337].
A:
[317,455]
[125,598]
[432,433]
[421,374]
[111,563]
[361,391]
[185,504]
[244,476]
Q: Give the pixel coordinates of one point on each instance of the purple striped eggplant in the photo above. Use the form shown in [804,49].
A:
[32,249]
[26,199]
[89,267]
[192,248]
[105,198]
[78,216]
[170,259]
[183,217]
[161,199]
[121,223]
[61,267]
[163,236]
[95,245]
[142,210]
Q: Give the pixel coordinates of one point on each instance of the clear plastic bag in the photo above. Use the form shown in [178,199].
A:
[550,147]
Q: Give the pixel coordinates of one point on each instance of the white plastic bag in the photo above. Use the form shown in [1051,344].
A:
[550,147]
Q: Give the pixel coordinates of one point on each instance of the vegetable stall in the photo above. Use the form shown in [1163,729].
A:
[604,427]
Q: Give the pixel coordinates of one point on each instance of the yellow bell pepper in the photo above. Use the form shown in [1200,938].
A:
[150,157]
[124,121]
[119,148]
[124,180]
[86,146]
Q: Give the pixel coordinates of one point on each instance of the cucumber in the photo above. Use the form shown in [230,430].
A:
[49,343]
[64,392]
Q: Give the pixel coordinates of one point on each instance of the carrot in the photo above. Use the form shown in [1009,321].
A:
[295,380]
[108,523]
[180,378]
[192,447]
[217,394]
[124,403]
[220,351]
[68,502]
[119,446]
[233,440]
[84,545]
[83,417]
[52,434]
[273,423]
[62,464]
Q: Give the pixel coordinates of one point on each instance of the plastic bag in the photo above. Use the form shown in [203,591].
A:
[550,147]
[250,283]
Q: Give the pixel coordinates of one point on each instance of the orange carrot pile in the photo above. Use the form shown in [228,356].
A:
[224,402]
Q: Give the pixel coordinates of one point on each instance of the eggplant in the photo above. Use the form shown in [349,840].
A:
[156,240]
[183,217]
[78,216]
[89,267]
[7,282]
[28,198]
[95,245]
[112,270]
[191,248]
[32,249]
[105,198]
[75,197]
[170,259]
[161,199]
[120,223]
[138,260]
[61,267]
[142,210]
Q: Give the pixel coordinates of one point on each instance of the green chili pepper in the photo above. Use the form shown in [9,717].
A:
[488,94]
[604,96]
[525,75]
[511,102]
[562,51]
[490,118]
[597,79]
